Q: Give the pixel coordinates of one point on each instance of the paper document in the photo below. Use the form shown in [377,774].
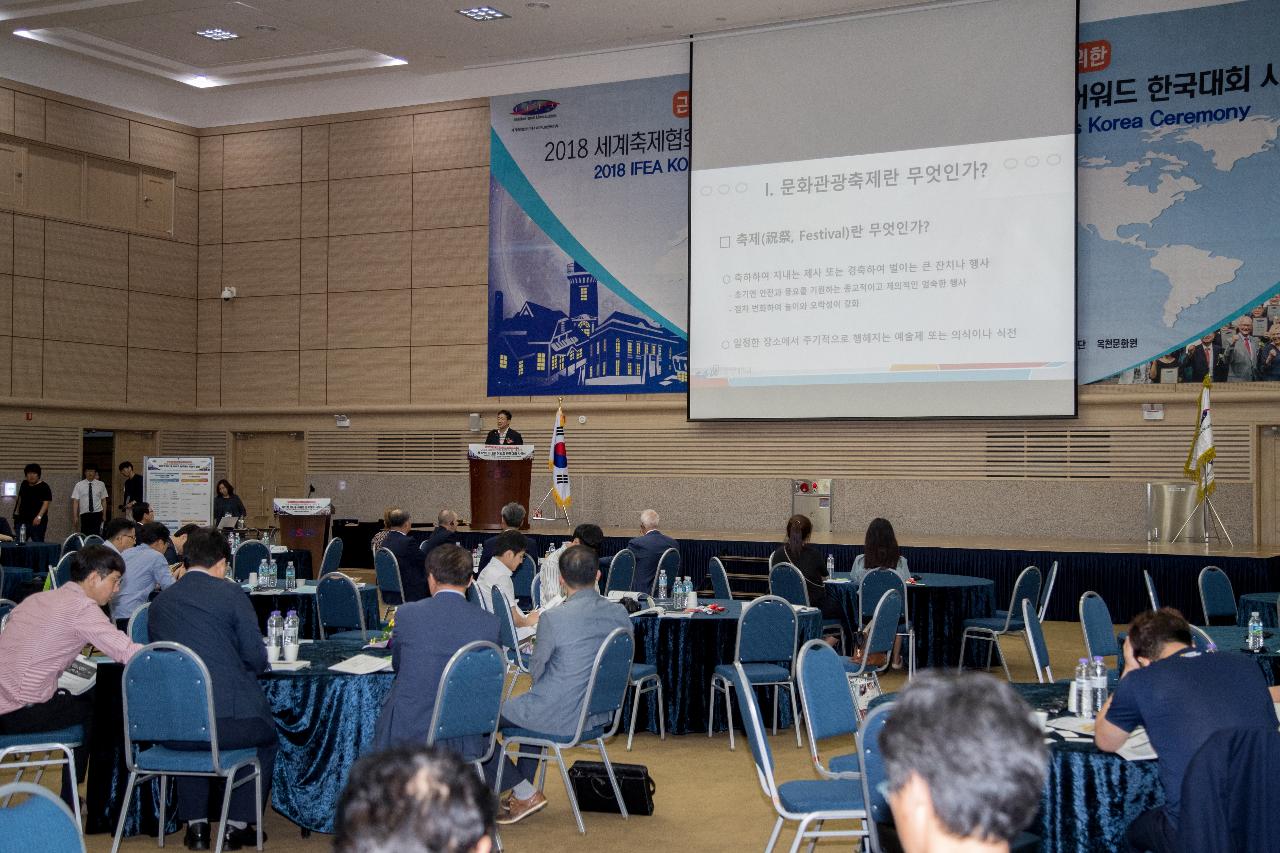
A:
[1137,747]
[289,666]
[79,676]
[362,665]
[838,580]
[523,634]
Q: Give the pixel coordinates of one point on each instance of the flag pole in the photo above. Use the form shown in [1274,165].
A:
[1200,463]
[556,505]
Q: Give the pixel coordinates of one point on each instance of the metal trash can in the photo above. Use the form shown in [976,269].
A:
[1168,506]
[812,497]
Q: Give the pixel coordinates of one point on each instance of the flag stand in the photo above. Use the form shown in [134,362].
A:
[1205,506]
[1199,467]
[556,510]
[559,474]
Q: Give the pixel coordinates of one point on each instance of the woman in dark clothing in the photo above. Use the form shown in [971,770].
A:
[226,503]
[811,562]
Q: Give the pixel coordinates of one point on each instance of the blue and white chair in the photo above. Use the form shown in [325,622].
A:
[248,558]
[508,637]
[92,539]
[474,596]
[38,823]
[874,585]
[535,591]
[386,571]
[138,627]
[811,802]
[522,580]
[339,609]
[6,606]
[73,542]
[622,571]
[875,776]
[669,562]
[787,582]
[62,571]
[40,751]
[829,710]
[1151,590]
[1099,631]
[168,697]
[719,579]
[991,629]
[1201,640]
[880,633]
[1036,644]
[1047,591]
[332,559]
[606,689]
[766,648]
[1217,599]
[645,679]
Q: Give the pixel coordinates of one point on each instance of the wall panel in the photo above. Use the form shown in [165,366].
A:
[315,265]
[451,139]
[28,307]
[446,315]
[90,372]
[261,324]
[162,323]
[261,213]
[315,152]
[211,149]
[259,378]
[209,326]
[28,116]
[83,314]
[86,130]
[28,367]
[369,376]
[262,157]
[382,146]
[261,269]
[443,257]
[28,246]
[370,205]
[377,318]
[210,217]
[162,266]
[6,364]
[450,199]
[162,377]
[166,149]
[370,262]
[6,304]
[6,242]
[6,110]
[84,255]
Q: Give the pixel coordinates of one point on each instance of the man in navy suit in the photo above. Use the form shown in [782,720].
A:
[413,567]
[215,620]
[446,529]
[648,548]
[427,634]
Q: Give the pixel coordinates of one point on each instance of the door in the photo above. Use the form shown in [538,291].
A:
[1269,486]
[268,465]
[132,447]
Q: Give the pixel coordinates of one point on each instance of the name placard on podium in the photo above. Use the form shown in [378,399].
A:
[500,452]
[499,476]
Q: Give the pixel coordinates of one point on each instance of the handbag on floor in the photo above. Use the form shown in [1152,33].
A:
[595,794]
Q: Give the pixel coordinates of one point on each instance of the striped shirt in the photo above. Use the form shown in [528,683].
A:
[43,636]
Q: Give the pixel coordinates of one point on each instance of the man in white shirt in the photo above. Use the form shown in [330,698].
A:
[508,552]
[120,534]
[89,501]
[549,576]
[146,570]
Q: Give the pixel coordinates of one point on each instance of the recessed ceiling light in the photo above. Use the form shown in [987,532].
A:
[483,13]
[26,34]
[396,61]
[217,34]
[200,82]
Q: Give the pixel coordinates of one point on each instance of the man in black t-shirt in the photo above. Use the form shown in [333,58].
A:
[34,497]
[132,488]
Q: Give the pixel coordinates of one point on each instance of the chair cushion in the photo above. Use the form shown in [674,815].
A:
[517,733]
[757,673]
[641,671]
[827,795]
[844,763]
[165,760]
[996,624]
[72,736]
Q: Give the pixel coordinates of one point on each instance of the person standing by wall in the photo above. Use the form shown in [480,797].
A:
[32,509]
[89,501]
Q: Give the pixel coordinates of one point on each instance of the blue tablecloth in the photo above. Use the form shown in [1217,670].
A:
[686,652]
[305,604]
[22,561]
[1233,640]
[938,606]
[1264,603]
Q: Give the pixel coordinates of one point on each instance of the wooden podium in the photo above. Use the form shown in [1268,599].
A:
[499,475]
[304,526]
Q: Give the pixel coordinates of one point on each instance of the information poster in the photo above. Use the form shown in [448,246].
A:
[180,489]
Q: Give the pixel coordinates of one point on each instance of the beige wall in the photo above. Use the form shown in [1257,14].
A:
[358,247]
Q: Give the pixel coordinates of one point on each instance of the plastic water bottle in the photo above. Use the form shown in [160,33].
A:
[275,630]
[831,564]
[475,559]
[1098,673]
[291,625]
[662,584]
[290,577]
[690,595]
[22,534]
[272,576]
[1255,632]
[263,580]
[1079,701]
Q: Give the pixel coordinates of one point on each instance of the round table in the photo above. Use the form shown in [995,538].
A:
[1264,603]
[686,651]
[1229,639]
[938,605]
[303,600]
[21,562]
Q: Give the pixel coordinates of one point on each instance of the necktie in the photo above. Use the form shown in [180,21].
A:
[90,507]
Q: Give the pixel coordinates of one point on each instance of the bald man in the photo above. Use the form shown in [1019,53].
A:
[648,548]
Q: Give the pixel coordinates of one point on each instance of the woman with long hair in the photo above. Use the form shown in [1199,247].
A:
[811,562]
[227,503]
[880,551]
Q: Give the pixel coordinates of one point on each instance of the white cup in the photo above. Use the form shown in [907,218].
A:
[291,652]
[273,653]
[253,579]
[1042,719]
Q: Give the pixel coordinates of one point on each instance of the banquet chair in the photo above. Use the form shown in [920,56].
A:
[508,638]
[645,679]
[332,559]
[811,802]
[522,579]
[339,609]
[1201,640]
[1216,597]
[766,649]
[1151,590]
[875,584]
[535,591]
[991,629]
[829,709]
[36,752]
[1036,644]
[248,558]
[622,571]
[92,539]
[881,631]
[73,542]
[6,606]
[1047,591]
[1228,792]
[474,596]
[669,562]
[606,689]
[1099,631]
[137,628]
[168,696]
[40,822]
[62,571]
[719,579]
[1000,614]
[787,582]
[386,570]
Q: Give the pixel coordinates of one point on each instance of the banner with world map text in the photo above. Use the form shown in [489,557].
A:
[1179,189]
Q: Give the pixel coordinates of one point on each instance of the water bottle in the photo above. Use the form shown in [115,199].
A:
[1079,701]
[22,534]
[263,580]
[290,576]
[275,630]
[291,625]
[1255,632]
[690,595]
[662,584]
[475,559]
[550,549]
[831,564]
[1099,681]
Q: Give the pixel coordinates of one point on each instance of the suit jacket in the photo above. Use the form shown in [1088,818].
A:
[439,536]
[215,619]
[569,638]
[513,437]
[648,548]
[413,564]
[427,634]
[1242,358]
[1195,364]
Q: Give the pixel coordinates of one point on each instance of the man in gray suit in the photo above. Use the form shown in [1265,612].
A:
[569,637]
[1242,352]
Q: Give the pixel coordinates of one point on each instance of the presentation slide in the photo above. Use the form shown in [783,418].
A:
[907,255]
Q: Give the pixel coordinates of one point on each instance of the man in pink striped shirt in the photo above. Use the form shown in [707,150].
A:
[43,636]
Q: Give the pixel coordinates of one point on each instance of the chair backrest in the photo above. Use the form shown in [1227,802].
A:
[386,570]
[786,582]
[6,607]
[607,682]
[1201,640]
[507,636]
[1046,591]
[62,573]
[1035,643]
[766,632]
[668,562]
[882,630]
[39,821]
[873,770]
[338,604]
[469,701]
[1151,590]
[875,584]
[91,539]
[622,571]
[1216,597]
[719,579]
[535,590]
[824,689]
[1099,631]
[1026,587]
[761,751]
[72,543]
[522,578]
[474,596]
[138,624]
[167,695]
[1238,767]
[248,557]
[332,559]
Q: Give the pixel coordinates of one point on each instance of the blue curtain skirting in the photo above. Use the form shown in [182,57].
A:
[309,625]
[33,558]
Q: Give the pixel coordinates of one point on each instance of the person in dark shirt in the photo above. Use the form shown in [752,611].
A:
[503,434]
[226,503]
[446,529]
[812,564]
[1182,696]
[32,509]
[132,488]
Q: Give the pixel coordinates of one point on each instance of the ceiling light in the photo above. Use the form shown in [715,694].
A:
[394,61]
[217,34]
[200,82]
[26,34]
[483,13]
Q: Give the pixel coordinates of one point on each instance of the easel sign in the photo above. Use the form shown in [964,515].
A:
[180,489]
